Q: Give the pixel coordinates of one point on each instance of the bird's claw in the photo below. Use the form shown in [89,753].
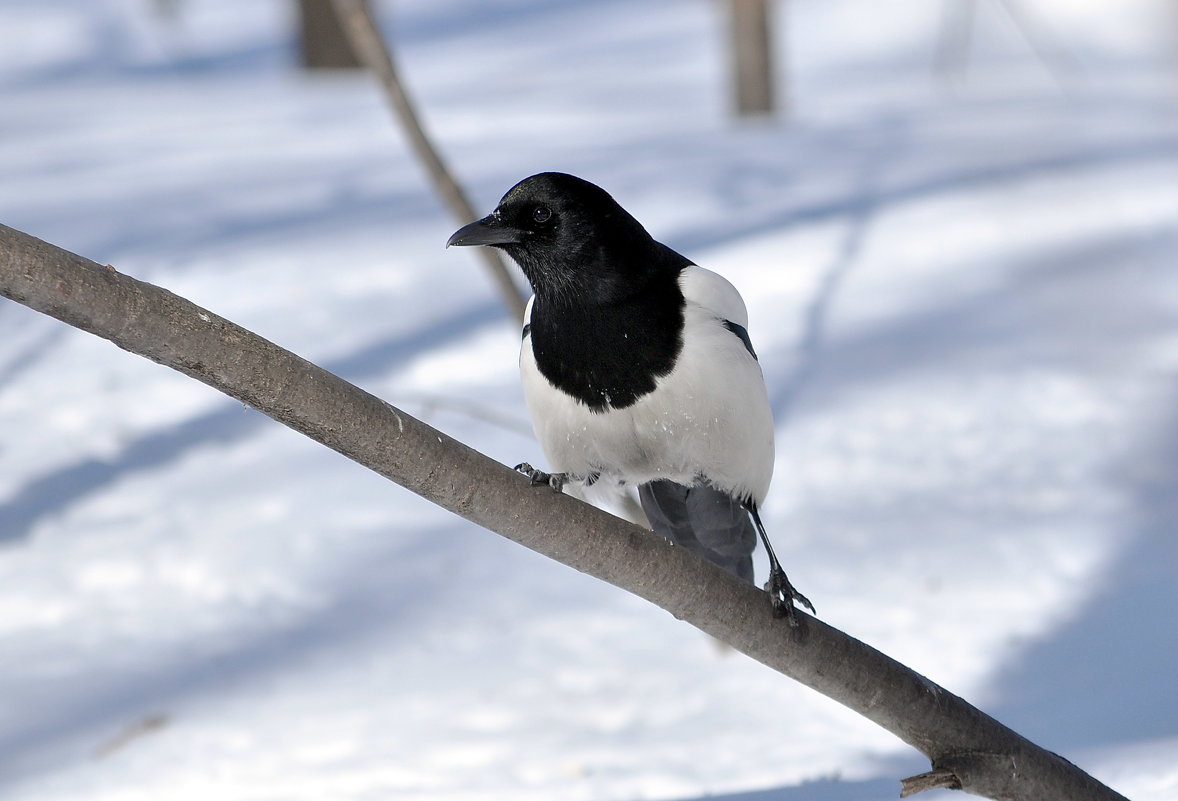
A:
[554,480]
[783,596]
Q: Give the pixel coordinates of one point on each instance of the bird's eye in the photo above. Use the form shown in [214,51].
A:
[542,214]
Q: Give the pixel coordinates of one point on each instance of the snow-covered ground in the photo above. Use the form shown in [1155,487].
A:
[963,288]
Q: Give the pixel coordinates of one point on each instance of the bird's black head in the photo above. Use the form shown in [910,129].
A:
[571,239]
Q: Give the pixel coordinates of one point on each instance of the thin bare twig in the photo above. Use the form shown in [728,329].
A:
[140,728]
[362,30]
[933,780]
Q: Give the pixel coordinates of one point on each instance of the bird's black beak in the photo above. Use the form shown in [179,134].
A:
[490,230]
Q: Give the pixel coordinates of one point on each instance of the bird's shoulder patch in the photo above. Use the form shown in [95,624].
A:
[714,294]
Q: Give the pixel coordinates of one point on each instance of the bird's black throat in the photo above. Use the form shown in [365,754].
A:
[608,355]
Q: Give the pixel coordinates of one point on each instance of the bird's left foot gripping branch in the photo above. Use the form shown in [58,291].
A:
[637,366]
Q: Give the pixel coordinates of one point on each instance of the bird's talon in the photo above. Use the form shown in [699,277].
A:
[804,601]
[538,477]
[785,598]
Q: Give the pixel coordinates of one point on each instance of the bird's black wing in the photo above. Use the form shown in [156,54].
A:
[704,520]
[743,334]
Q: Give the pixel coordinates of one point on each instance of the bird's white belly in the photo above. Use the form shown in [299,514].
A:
[709,417]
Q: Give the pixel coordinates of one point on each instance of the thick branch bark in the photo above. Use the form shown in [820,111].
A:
[986,758]
[358,23]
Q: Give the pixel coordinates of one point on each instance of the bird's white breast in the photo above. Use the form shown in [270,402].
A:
[708,417]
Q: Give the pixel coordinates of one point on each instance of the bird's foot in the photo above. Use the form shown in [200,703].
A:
[554,480]
[783,596]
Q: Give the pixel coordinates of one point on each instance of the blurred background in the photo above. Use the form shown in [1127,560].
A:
[955,224]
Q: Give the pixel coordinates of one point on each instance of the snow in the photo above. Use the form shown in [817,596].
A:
[963,294]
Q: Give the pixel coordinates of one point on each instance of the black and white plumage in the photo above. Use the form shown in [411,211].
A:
[637,367]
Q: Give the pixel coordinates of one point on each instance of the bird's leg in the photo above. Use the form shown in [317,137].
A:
[554,480]
[781,593]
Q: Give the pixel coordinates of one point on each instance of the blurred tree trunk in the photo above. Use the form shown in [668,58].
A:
[322,41]
[359,25]
[751,47]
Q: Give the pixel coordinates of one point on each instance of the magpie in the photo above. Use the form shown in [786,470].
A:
[637,367]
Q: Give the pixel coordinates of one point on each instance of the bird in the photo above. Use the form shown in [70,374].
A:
[637,368]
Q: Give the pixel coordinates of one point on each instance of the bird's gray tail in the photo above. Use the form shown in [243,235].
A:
[704,520]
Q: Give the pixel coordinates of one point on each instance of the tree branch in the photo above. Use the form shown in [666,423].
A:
[986,758]
[933,780]
[361,29]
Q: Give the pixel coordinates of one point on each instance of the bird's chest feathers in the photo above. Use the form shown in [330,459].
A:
[606,357]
